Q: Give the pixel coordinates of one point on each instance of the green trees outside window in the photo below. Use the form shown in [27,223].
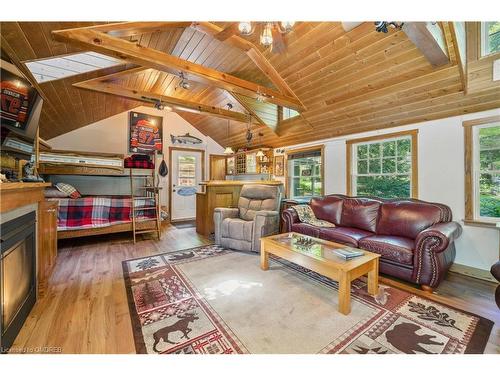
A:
[489,172]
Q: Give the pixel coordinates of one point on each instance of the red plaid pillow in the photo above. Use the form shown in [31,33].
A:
[69,190]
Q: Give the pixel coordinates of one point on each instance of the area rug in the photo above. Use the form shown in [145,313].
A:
[212,300]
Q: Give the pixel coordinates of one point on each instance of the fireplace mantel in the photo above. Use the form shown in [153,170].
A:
[18,194]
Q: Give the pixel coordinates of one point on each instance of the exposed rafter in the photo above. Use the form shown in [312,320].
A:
[123,29]
[429,39]
[105,85]
[98,41]
[252,52]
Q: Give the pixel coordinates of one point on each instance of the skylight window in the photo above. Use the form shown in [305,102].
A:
[46,70]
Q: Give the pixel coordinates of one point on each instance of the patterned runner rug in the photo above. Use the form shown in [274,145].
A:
[212,300]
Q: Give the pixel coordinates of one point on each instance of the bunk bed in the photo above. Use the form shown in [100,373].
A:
[138,211]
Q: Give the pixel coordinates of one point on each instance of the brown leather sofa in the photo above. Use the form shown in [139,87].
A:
[414,238]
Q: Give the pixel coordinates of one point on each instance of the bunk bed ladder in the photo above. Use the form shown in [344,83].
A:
[149,190]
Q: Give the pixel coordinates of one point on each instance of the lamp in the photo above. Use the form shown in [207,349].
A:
[228,151]
[260,154]
[287,25]
[266,38]
[245,28]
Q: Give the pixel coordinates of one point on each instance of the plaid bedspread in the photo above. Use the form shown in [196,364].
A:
[100,211]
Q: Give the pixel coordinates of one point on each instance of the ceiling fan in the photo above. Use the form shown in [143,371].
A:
[271,33]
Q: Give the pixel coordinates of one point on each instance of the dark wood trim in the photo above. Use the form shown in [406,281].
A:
[414,156]
[469,167]
[170,149]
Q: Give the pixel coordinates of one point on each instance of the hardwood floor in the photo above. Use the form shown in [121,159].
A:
[85,309]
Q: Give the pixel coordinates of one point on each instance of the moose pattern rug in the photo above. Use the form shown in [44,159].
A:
[209,300]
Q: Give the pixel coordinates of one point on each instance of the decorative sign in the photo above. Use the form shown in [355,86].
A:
[279,165]
[145,133]
[186,191]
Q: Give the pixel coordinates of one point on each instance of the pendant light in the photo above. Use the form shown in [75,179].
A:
[266,38]
[260,154]
[228,150]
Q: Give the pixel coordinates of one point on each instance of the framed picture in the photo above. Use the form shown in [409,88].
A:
[279,165]
[145,133]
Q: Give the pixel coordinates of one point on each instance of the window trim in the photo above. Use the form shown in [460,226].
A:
[483,41]
[321,148]
[471,204]
[382,137]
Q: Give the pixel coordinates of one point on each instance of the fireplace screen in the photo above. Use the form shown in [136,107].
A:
[17,276]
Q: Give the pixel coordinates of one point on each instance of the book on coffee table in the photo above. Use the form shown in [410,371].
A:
[348,253]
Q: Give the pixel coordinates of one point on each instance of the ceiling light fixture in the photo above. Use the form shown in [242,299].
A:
[266,38]
[159,105]
[184,83]
[383,26]
[287,26]
[245,28]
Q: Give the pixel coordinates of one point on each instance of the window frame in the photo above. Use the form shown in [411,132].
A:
[320,148]
[484,41]
[351,158]
[472,169]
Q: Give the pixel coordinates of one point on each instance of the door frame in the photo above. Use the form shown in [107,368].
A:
[170,149]
[214,156]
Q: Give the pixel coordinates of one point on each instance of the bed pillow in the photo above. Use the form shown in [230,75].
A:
[69,190]
[52,192]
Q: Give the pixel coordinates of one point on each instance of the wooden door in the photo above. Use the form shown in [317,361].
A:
[186,173]
[217,167]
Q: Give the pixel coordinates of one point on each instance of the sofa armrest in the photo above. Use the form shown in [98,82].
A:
[441,235]
[221,213]
[435,253]
[266,223]
[289,217]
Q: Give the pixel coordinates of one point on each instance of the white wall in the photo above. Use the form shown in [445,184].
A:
[441,179]
[111,135]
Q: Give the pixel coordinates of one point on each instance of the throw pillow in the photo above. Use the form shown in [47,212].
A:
[70,191]
[306,215]
[52,192]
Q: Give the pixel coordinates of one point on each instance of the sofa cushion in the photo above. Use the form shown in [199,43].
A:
[327,208]
[237,229]
[360,213]
[407,218]
[397,249]
[344,235]
[305,228]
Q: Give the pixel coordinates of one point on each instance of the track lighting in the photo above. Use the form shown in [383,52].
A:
[382,26]
[184,83]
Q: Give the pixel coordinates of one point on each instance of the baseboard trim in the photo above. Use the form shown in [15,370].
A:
[476,273]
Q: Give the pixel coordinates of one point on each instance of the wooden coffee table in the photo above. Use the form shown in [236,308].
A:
[319,257]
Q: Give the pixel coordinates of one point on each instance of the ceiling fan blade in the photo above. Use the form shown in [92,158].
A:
[279,44]
[228,32]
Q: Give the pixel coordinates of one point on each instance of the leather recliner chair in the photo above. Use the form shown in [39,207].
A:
[257,216]
[414,238]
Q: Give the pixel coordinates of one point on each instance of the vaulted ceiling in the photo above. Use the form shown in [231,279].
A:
[348,82]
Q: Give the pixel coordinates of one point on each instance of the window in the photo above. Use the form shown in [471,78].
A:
[482,169]
[186,171]
[305,173]
[289,113]
[383,166]
[490,37]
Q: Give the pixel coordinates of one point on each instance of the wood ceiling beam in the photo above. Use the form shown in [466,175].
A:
[124,29]
[429,39]
[100,85]
[460,46]
[103,43]
[252,52]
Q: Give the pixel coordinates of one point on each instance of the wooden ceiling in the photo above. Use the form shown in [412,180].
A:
[348,82]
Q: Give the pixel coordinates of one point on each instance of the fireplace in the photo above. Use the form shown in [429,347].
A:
[17,275]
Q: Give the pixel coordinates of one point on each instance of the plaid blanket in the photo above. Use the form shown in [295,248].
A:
[142,164]
[100,211]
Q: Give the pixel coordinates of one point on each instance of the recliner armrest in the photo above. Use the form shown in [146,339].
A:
[267,213]
[225,212]
[441,235]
